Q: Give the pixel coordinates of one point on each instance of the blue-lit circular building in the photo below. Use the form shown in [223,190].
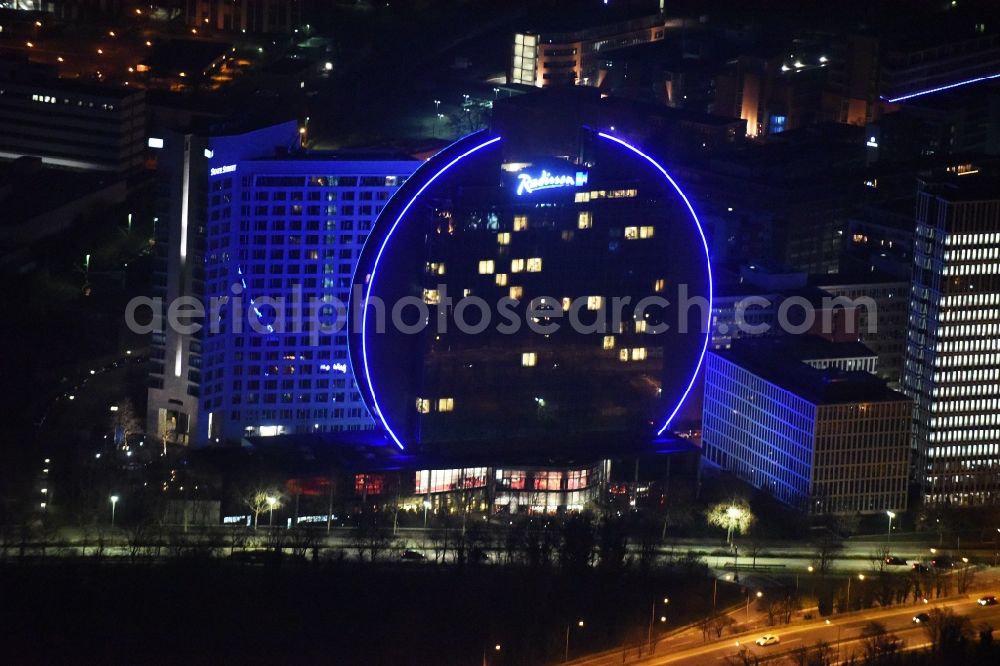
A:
[532,295]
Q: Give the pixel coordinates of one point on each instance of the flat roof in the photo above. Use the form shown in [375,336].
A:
[779,360]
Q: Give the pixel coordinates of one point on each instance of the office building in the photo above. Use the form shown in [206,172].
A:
[952,369]
[245,16]
[549,59]
[70,124]
[250,218]
[804,420]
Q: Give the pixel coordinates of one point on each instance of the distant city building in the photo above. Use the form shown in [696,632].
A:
[952,367]
[245,16]
[71,124]
[249,218]
[881,328]
[773,93]
[804,420]
[545,59]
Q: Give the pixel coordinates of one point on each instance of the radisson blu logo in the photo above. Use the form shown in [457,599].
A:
[528,184]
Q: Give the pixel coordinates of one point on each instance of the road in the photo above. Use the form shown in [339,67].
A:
[843,633]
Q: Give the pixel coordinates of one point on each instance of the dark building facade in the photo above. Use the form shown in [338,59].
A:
[556,224]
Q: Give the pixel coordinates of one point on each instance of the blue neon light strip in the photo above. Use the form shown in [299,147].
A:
[371,281]
[931,91]
[708,270]
[256,310]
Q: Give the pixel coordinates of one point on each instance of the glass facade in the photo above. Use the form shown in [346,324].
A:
[952,366]
[560,351]
[848,456]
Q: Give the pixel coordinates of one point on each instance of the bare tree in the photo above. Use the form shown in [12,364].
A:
[826,551]
[256,500]
[946,631]
[719,623]
[820,654]
[124,420]
[878,644]
[964,578]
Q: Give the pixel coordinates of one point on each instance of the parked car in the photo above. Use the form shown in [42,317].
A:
[412,555]
[988,600]
[942,563]
[768,639]
[895,561]
[920,618]
[919,568]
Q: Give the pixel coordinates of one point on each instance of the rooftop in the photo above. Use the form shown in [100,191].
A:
[780,361]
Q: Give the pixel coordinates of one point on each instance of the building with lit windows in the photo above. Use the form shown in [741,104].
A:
[266,237]
[70,124]
[806,421]
[952,369]
[548,59]
[554,225]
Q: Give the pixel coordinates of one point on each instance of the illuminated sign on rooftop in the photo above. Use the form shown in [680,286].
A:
[528,184]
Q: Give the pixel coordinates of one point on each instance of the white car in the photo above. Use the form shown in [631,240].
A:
[767,639]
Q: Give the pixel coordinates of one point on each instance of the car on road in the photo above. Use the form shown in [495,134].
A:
[988,600]
[920,618]
[414,555]
[767,639]
[942,563]
[919,568]
[895,561]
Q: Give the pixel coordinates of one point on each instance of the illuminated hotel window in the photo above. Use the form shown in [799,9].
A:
[623,354]
[582,197]
[594,302]
[516,292]
[639,354]
[446,404]
[503,238]
[640,326]
[486,267]
[534,264]
[435,267]
[431,296]
[609,342]
[501,279]
[370,484]
[576,479]
[646,232]
[548,480]
[528,359]
[423,405]
[511,478]
[516,265]
[659,285]
[584,220]
[631,233]
[567,302]
[520,222]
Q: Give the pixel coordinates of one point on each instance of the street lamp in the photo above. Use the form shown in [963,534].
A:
[566,654]
[496,648]
[114,503]
[271,501]
[888,537]
[652,619]
[733,513]
[759,595]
